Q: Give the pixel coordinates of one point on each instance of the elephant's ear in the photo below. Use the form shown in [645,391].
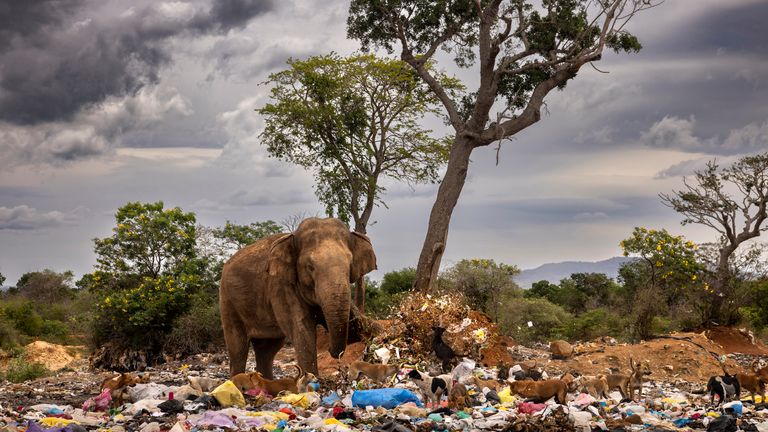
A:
[363,258]
[282,262]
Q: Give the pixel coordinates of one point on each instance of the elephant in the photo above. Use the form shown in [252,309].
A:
[282,286]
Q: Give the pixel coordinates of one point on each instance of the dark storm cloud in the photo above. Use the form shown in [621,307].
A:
[71,61]
[24,18]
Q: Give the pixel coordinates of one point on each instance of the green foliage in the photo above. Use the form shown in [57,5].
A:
[549,321]
[19,370]
[542,289]
[24,317]
[148,240]
[10,337]
[552,30]
[596,323]
[579,292]
[667,273]
[238,236]
[756,312]
[143,315]
[352,121]
[382,299]
[398,281]
[46,287]
[484,283]
[198,330]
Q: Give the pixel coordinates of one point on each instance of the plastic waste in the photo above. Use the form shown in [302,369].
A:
[724,423]
[228,395]
[331,399]
[736,407]
[464,368]
[302,400]
[505,396]
[385,397]
[215,418]
[384,354]
[148,391]
[98,403]
[581,420]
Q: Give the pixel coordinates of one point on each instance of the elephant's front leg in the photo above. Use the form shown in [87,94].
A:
[305,343]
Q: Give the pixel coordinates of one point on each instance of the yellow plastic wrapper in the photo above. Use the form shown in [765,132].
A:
[333,421]
[674,401]
[228,395]
[506,396]
[277,415]
[713,414]
[758,399]
[301,400]
[55,421]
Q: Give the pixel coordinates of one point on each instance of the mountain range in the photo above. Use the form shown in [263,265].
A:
[554,272]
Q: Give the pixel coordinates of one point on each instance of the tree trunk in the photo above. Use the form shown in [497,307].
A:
[721,282]
[440,217]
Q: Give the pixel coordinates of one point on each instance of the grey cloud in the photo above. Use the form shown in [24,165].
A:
[680,133]
[28,218]
[252,198]
[22,19]
[72,64]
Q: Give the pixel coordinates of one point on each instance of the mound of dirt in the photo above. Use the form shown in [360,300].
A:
[737,341]
[54,357]
[677,358]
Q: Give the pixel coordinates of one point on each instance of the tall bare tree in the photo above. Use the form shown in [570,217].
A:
[733,202]
[521,53]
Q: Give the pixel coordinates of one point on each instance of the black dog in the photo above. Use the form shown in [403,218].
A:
[726,387]
[441,349]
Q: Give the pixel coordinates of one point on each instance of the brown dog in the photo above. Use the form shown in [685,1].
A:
[627,384]
[376,372]
[480,383]
[117,385]
[457,397]
[254,380]
[596,386]
[540,391]
[760,372]
[303,383]
[753,384]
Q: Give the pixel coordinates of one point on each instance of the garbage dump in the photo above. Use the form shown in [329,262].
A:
[535,393]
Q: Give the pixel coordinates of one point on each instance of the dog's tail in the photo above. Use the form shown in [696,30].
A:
[299,372]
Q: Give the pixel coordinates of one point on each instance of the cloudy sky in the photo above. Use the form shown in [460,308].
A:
[108,101]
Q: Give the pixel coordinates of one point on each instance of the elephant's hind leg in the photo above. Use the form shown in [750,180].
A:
[265,351]
[237,345]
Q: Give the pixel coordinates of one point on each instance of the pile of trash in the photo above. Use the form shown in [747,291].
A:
[199,398]
[469,332]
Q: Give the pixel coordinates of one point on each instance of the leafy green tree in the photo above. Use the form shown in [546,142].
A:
[667,271]
[483,282]
[725,200]
[542,289]
[547,321]
[46,287]
[521,51]
[148,240]
[353,121]
[237,236]
[398,281]
[146,274]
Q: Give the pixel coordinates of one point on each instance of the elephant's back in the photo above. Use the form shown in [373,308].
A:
[248,266]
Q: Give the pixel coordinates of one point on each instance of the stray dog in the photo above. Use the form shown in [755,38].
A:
[443,352]
[725,387]
[595,386]
[303,384]
[627,384]
[457,398]
[117,385]
[432,388]
[540,391]
[376,372]
[254,380]
[480,383]
[753,384]
[203,384]
[503,372]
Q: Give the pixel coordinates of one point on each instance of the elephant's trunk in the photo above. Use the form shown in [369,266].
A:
[336,304]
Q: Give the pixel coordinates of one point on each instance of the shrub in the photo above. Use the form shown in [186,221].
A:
[199,330]
[548,320]
[20,370]
[596,323]
[24,318]
[55,331]
[142,316]
[9,337]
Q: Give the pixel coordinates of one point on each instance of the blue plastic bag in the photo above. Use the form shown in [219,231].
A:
[331,399]
[385,397]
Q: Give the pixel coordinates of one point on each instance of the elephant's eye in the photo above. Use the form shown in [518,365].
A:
[310,267]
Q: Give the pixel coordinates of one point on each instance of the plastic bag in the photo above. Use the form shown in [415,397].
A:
[385,397]
[302,400]
[228,395]
[505,396]
[463,369]
[98,403]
